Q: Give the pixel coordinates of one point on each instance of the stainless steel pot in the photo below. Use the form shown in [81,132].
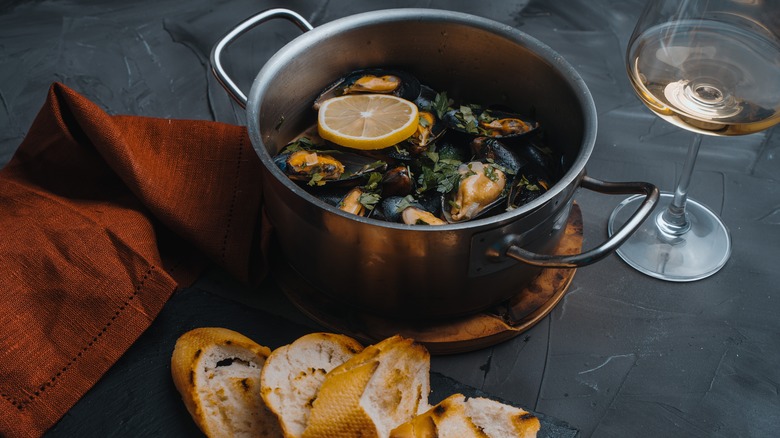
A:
[418,271]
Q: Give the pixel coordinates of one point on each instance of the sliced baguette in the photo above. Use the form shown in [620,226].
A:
[456,417]
[383,386]
[292,376]
[217,372]
[447,419]
[499,420]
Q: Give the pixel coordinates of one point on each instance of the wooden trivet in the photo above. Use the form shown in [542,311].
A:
[500,323]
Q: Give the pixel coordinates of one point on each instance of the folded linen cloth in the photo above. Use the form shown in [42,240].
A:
[102,218]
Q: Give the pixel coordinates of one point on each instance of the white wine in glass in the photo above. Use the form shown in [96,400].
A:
[711,67]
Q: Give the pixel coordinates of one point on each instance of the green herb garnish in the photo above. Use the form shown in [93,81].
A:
[438,172]
[441,104]
[317,179]
[369,199]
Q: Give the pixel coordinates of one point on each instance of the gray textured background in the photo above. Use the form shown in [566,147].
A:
[621,355]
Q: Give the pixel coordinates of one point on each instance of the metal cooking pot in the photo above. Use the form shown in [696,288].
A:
[418,272]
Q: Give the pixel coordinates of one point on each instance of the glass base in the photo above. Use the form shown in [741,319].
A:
[696,254]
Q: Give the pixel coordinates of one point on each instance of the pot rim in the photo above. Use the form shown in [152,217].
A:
[301,44]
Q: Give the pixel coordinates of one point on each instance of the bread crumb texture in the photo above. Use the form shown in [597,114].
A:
[379,388]
[293,374]
[217,371]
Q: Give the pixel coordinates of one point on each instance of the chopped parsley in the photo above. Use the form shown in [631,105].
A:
[302,144]
[524,183]
[469,121]
[438,172]
[369,199]
[441,105]
[490,173]
[370,195]
[317,179]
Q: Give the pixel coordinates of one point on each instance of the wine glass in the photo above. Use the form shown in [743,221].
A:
[711,67]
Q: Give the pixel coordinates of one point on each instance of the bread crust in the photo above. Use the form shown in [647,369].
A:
[326,385]
[446,419]
[188,367]
[458,417]
[293,374]
[386,384]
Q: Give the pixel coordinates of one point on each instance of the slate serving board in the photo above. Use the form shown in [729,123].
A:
[137,397]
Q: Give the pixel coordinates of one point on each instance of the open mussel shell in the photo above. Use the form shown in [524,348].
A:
[328,167]
[494,150]
[532,168]
[426,100]
[525,188]
[429,129]
[482,188]
[481,121]
[546,162]
[374,81]
[350,203]
[426,208]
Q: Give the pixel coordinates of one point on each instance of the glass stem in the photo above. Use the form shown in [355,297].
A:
[673,220]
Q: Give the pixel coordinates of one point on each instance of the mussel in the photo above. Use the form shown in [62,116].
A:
[305,165]
[526,188]
[355,201]
[303,161]
[373,80]
[482,186]
[493,150]
[429,99]
[480,121]
[397,181]
[429,130]
[421,210]
[417,216]
[540,170]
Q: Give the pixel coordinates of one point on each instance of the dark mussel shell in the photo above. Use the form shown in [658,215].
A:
[492,149]
[358,200]
[451,147]
[428,131]
[397,181]
[373,80]
[533,168]
[426,209]
[332,167]
[426,100]
[525,188]
[480,121]
[549,163]
[303,165]
[542,169]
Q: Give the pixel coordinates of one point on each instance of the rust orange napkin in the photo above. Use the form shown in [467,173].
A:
[102,218]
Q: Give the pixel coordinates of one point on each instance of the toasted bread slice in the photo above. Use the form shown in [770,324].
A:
[292,376]
[447,419]
[499,420]
[217,372]
[383,386]
[456,417]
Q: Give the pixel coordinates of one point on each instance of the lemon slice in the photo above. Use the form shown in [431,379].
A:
[367,121]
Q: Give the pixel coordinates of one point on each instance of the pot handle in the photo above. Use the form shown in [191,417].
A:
[593,255]
[246,25]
